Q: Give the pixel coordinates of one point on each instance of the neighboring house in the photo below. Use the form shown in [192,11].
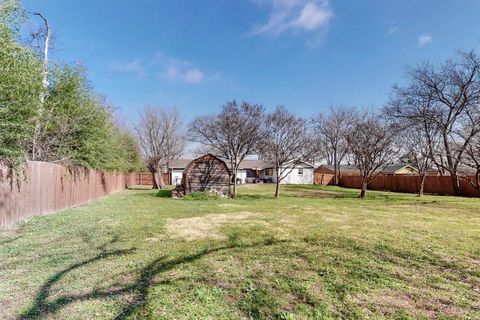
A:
[349,170]
[251,171]
[301,173]
[399,169]
[175,168]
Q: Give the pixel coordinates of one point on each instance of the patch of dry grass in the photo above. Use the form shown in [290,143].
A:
[204,227]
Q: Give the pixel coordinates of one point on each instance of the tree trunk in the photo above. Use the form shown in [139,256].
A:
[335,169]
[157,173]
[45,83]
[277,190]
[161,182]
[155,184]
[422,184]
[456,184]
[234,192]
[363,191]
[451,167]
[277,186]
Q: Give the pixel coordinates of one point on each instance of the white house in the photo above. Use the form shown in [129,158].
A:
[301,173]
[251,171]
[175,168]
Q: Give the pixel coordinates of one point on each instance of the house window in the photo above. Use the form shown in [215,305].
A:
[251,173]
[300,171]
[269,172]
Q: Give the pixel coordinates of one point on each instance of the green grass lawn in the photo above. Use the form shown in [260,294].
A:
[316,253]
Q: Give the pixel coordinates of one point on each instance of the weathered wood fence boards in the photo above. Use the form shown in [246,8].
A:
[411,184]
[143,179]
[49,187]
[146,178]
[322,178]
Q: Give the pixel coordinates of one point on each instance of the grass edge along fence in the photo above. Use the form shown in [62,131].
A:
[48,187]
[440,185]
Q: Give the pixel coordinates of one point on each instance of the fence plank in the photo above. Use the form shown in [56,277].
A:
[49,187]
[441,185]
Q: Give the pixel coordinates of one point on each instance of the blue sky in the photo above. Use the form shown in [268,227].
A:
[304,54]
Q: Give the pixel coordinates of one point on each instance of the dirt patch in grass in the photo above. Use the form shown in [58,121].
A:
[388,302]
[205,227]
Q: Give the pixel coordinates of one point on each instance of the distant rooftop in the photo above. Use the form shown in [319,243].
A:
[245,164]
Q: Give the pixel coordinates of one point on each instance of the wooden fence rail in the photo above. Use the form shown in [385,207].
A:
[146,178]
[441,185]
[49,187]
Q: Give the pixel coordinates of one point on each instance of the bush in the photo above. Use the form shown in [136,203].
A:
[201,196]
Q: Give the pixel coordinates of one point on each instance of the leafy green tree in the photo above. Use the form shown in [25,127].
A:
[54,115]
[78,127]
[20,85]
[11,14]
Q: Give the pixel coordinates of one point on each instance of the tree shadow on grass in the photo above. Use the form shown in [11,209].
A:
[313,191]
[133,188]
[10,240]
[164,193]
[254,196]
[43,307]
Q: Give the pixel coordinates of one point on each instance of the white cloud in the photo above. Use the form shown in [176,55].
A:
[179,70]
[393,30]
[135,66]
[424,39]
[189,75]
[296,15]
[168,67]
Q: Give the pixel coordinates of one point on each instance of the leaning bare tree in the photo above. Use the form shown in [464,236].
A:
[371,147]
[41,42]
[331,131]
[160,135]
[448,96]
[233,134]
[286,144]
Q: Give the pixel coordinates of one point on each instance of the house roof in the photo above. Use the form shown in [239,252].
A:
[254,164]
[245,164]
[392,168]
[343,167]
[179,163]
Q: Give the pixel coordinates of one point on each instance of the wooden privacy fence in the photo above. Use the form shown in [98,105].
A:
[49,187]
[146,178]
[322,178]
[441,185]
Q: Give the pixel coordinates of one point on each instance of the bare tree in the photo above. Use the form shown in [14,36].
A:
[414,143]
[233,134]
[287,143]
[41,42]
[331,131]
[472,160]
[201,150]
[160,135]
[419,136]
[371,147]
[448,97]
